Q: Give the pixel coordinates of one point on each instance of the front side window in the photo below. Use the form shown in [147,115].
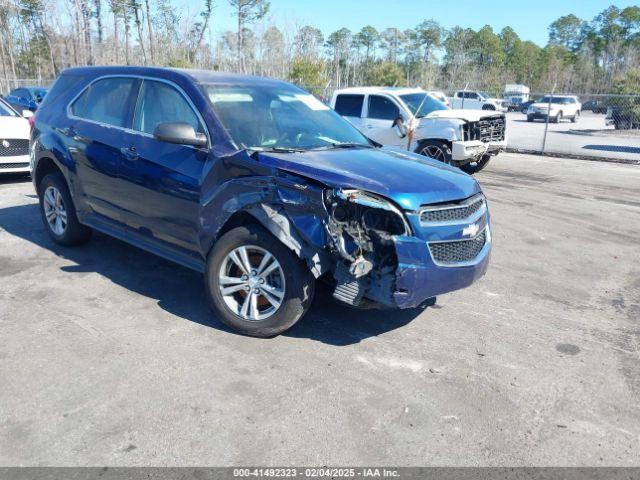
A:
[382,108]
[159,102]
[272,117]
[106,101]
[349,105]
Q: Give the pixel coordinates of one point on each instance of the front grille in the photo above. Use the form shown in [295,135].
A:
[6,166]
[452,253]
[456,212]
[490,129]
[16,146]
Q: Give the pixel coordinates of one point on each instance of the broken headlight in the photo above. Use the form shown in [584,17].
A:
[367,211]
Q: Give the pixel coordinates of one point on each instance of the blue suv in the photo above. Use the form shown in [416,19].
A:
[256,184]
[26,98]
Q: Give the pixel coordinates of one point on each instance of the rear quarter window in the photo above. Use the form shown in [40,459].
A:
[349,105]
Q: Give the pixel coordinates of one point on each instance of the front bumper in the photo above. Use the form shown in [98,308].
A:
[15,164]
[474,149]
[419,278]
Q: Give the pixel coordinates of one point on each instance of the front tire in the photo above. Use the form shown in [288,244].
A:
[557,118]
[529,118]
[59,213]
[475,167]
[576,117]
[255,284]
[436,150]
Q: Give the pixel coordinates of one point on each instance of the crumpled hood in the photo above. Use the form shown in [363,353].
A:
[460,114]
[409,179]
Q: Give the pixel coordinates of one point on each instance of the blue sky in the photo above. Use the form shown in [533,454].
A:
[530,18]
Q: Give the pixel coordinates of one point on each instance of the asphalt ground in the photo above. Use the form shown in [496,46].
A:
[110,355]
[589,137]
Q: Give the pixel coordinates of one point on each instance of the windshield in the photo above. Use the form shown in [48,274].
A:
[6,111]
[485,95]
[263,118]
[414,100]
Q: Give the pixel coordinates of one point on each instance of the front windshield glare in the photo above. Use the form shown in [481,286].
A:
[430,104]
[263,118]
[5,111]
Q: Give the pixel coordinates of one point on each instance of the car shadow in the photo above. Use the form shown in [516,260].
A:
[7,178]
[179,290]
[612,148]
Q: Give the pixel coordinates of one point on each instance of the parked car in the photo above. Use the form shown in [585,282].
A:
[257,184]
[14,140]
[555,108]
[463,138]
[440,96]
[623,118]
[477,101]
[595,106]
[525,106]
[26,98]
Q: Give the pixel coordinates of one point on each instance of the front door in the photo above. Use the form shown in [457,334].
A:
[379,121]
[163,179]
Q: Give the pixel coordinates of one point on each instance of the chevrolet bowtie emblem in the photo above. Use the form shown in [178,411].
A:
[471,230]
[5,144]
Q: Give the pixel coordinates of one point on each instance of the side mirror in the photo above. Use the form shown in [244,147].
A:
[400,127]
[27,113]
[179,132]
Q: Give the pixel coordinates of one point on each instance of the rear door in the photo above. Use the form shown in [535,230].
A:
[382,111]
[161,188]
[99,118]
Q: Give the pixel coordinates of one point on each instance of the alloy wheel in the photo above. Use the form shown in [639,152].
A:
[55,211]
[434,152]
[252,283]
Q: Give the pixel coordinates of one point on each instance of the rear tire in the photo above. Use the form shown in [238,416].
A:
[475,167]
[488,107]
[576,117]
[59,213]
[290,285]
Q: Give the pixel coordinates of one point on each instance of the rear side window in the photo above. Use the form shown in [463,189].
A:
[349,105]
[62,86]
[106,101]
[159,102]
[382,108]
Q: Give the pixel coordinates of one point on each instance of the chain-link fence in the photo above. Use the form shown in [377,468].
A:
[9,84]
[606,126]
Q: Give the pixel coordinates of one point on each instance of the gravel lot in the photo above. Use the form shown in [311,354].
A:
[109,355]
[588,137]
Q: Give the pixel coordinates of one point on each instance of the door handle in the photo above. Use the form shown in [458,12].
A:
[68,132]
[129,153]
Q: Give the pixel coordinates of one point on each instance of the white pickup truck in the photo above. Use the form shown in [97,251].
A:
[463,138]
[473,100]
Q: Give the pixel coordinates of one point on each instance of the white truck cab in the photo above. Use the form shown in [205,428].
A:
[464,138]
[475,100]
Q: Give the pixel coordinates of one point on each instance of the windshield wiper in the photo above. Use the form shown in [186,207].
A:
[277,149]
[344,145]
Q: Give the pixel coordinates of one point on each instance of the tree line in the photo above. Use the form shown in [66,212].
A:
[39,38]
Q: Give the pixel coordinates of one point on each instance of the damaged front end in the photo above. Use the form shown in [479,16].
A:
[393,258]
[362,228]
